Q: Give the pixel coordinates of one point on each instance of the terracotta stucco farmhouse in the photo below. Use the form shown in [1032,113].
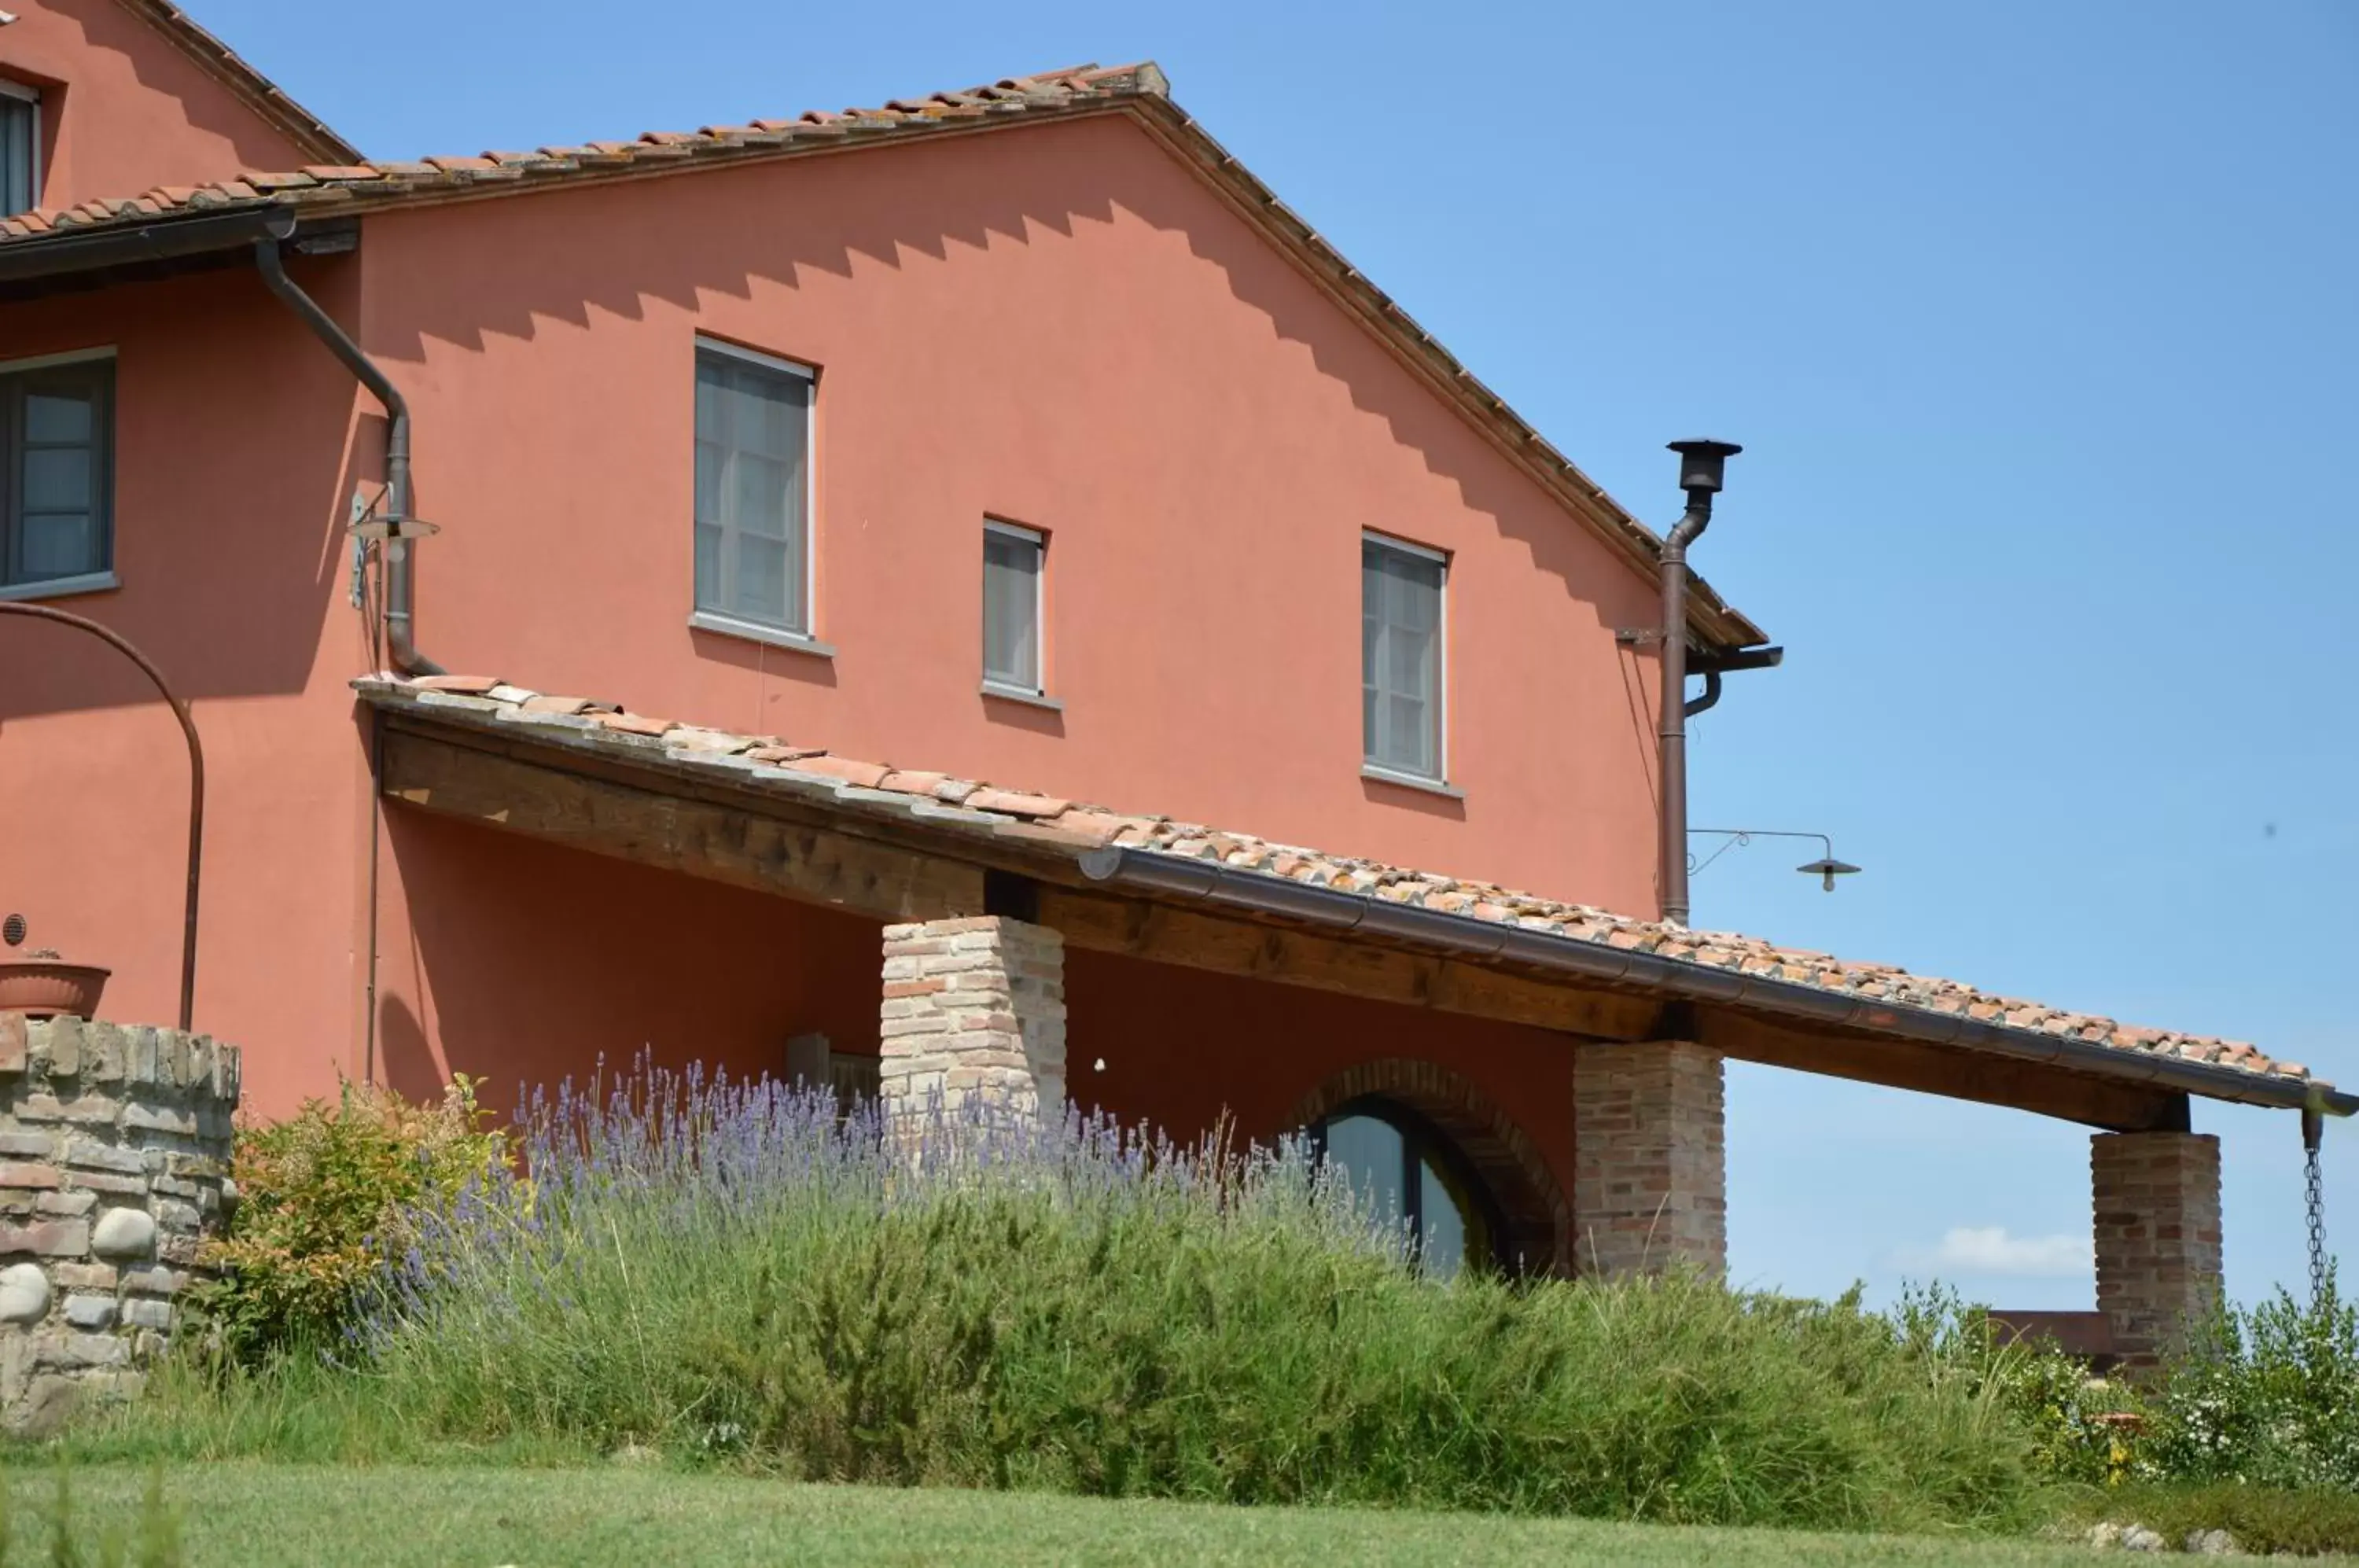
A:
[966,594]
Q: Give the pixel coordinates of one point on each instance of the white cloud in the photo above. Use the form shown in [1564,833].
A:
[1989,1250]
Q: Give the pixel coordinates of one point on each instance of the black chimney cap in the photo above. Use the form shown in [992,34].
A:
[1700,463]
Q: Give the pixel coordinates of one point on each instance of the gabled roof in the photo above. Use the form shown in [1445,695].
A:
[2218,1068]
[257,91]
[349,186]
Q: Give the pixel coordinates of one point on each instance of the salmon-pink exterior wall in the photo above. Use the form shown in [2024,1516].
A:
[1183,1049]
[521,963]
[233,429]
[1057,325]
[123,110]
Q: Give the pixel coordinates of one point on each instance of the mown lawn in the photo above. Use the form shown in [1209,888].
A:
[265,1516]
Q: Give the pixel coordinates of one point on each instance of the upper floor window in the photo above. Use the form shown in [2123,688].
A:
[1012,561]
[753,489]
[57,460]
[20,148]
[1400,657]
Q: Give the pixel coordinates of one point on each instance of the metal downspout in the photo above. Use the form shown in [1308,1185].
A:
[1711,698]
[401,648]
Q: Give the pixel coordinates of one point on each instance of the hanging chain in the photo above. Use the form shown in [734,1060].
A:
[2316,1195]
[2313,1129]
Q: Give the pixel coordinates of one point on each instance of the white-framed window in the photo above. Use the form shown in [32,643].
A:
[753,489]
[57,473]
[1401,625]
[1014,560]
[20,148]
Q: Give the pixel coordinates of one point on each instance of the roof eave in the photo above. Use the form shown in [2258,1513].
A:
[101,256]
[1470,937]
[1047,849]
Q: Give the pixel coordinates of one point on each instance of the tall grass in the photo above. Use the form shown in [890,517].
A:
[739,1272]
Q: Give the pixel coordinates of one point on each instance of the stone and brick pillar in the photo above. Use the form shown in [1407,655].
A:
[2158,1233]
[115,1159]
[1650,1161]
[974,1007]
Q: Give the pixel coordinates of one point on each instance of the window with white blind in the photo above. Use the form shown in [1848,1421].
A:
[753,492]
[1400,659]
[57,475]
[20,148]
[1012,561]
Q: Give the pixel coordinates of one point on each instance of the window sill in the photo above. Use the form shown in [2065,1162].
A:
[1019,694]
[1411,781]
[62,587]
[754,631]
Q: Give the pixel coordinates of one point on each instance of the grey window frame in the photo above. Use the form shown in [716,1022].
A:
[802,637]
[1372,765]
[31,97]
[995,684]
[90,370]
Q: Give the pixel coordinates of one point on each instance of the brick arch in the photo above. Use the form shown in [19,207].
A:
[1539,1217]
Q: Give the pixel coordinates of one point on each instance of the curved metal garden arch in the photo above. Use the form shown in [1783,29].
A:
[196,780]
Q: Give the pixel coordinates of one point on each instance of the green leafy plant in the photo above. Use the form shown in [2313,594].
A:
[2266,1396]
[741,1274]
[324,1200]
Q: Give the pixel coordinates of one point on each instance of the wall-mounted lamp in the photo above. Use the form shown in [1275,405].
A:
[1826,869]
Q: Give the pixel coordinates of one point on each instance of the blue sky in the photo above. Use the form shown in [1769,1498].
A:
[2039,326]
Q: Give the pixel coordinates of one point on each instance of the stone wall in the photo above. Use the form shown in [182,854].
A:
[1650,1163]
[115,1159]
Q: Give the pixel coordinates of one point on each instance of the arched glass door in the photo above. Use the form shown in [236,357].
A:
[1403,1168]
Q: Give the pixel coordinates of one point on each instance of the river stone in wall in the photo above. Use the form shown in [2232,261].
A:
[124,1232]
[23,1293]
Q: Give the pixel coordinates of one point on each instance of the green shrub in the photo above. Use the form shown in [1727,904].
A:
[323,1199]
[737,1275]
[2268,1395]
[2074,1418]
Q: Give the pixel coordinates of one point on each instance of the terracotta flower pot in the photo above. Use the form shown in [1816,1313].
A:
[46,987]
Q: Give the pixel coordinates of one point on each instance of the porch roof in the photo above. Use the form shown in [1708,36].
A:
[1158,858]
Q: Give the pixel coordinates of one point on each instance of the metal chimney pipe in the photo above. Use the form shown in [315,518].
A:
[1702,463]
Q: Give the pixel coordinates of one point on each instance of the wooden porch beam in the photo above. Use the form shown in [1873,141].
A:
[1095,923]
[1956,1074]
[699,838]
[789,855]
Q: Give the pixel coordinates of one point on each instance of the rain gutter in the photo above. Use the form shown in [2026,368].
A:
[63,253]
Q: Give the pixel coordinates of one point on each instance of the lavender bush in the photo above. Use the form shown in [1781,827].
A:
[740,1273]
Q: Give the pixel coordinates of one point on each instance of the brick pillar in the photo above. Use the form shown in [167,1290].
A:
[972,1006]
[1649,1166]
[2157,1231]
